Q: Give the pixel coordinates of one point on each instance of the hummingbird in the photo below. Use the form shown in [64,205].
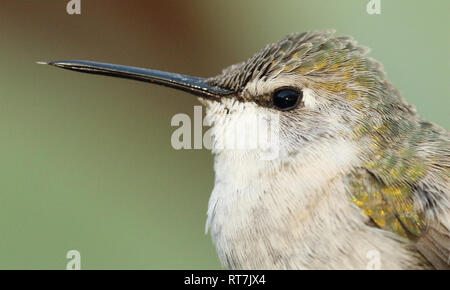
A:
[358,172]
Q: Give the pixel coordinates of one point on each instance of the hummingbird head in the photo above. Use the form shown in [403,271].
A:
[320,88]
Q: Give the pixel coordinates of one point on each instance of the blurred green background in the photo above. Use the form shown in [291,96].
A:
[86,161]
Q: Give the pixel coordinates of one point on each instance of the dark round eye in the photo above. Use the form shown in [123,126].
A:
[287,99]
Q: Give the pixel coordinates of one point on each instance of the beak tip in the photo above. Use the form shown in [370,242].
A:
[56,63]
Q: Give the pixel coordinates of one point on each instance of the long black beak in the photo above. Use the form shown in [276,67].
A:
[194,85]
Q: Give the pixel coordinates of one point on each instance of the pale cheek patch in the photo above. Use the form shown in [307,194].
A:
[310,100]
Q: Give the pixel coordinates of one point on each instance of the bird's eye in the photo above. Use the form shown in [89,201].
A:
[286,99]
